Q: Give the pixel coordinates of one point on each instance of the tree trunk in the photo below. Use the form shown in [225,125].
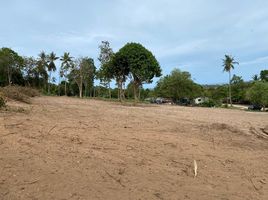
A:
[48,83]
[118,90]
[86,89]
[80,92]
[135,91]
[121,93]
[9,75]
[81,89]
[109,86]
[230,93]
[39,82]
[59,86]
[65,89]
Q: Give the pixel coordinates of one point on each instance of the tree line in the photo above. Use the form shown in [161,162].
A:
[132,64]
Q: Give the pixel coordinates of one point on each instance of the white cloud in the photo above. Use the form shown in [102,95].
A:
[193,33]
[255,61]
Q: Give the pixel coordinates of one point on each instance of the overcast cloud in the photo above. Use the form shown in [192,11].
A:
[192,35]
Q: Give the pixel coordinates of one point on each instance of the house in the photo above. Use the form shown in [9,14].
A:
[200,100]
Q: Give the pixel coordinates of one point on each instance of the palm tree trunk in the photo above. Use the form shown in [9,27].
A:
[110,95]
[59,86]
[230,93]
[65,87]
[118,90]
[48,83]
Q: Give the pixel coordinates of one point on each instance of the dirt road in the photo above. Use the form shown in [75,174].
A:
[66,148]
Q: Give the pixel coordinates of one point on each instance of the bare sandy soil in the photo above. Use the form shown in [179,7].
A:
[67,148]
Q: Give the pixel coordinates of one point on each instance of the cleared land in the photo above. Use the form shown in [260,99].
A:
[68,148]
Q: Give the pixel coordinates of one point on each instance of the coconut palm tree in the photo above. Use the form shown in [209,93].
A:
[51,67]
[42,64]
[228,65]
[66,63]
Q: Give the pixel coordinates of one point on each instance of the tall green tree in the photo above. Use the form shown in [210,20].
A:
[142,64]
[51,67]
[117,68]
[88,70]
[66,64]
[178,85]
[228,65]
[42,64]
[82,73]
[239,88]
[76,75]
[258,93]
[106,53]
[30,71]
[11,63]
[264,75]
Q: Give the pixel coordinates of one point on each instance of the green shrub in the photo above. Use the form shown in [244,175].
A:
[225,105]
[258,94]
[210,103]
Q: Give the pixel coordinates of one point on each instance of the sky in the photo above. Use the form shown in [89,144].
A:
[192,35]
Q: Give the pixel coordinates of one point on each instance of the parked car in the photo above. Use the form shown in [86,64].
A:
[255,107]
[161,100]
[183,102]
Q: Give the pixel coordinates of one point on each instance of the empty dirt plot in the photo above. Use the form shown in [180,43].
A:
[67,148]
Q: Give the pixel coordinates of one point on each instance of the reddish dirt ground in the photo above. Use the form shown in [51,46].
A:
[67,148]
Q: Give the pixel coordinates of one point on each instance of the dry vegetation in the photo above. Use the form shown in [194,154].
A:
[2,100]
[68,148]
[18,93]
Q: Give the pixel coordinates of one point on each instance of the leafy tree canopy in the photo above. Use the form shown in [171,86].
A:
[264,75]
[178,85]
[10,63]
[137,62]
[258,93]
[142,63]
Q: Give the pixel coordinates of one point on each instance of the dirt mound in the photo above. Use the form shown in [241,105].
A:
[265,130]
[224,127]
[260,132]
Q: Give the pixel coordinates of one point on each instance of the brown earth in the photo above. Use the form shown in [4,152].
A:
[67,148]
